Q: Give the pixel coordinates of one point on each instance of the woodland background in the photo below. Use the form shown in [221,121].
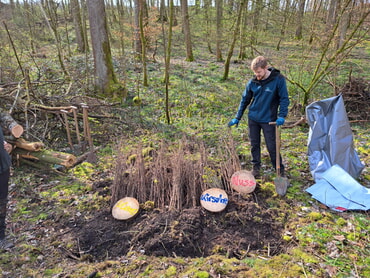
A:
[161,80]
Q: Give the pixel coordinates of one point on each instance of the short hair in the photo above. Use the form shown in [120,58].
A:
[259,62]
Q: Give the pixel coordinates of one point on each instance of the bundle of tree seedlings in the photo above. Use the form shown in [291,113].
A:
[174,174]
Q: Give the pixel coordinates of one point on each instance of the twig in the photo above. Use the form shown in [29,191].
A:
[302,120]
[356,271]
[57,81]
[54,109]
[304,271]
[69,254]
[15,51]
[165,228]
[16,96]
[359,121]
[83,157]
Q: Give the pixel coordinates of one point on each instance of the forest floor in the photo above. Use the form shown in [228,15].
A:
[62,226]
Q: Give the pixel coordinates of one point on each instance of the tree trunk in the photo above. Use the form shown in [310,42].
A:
[332,14]
[298,32]
[77,21]
[162,12]
[186,28]
[257,7]
[207,5]
[242,34]
[143,46]
[30,24]
[104,74]
[167,62]
[138,42]
[121,28]
[219,11]
[66,22]
[283,24]
[51,19]
[343,26]
[235,36]
[84,17]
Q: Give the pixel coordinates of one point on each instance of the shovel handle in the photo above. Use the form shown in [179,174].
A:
[278,143]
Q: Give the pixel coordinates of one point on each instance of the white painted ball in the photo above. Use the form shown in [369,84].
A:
[125,208]
[243,181]
[214,199]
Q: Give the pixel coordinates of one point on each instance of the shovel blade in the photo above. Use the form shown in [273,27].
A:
[281,185]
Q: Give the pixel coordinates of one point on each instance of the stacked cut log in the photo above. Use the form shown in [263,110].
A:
[32,153]
[47,156]
[10,126]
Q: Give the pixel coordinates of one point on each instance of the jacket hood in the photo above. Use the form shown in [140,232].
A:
[273,74]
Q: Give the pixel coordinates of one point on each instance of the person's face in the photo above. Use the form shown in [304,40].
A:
[260,73]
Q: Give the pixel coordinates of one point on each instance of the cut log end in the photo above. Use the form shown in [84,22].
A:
[16,130]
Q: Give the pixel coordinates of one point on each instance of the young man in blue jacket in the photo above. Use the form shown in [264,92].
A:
[267,96]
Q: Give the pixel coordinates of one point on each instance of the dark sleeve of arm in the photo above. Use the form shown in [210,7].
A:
[244,102]
[284,98]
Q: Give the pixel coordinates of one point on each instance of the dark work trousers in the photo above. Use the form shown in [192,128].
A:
[4,179]
[270,139]
[4,184]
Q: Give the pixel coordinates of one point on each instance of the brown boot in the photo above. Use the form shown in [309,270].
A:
[256,172]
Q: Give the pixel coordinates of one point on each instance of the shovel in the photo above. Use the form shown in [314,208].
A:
[281,183]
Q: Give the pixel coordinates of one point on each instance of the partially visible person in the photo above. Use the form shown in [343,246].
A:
[5,163]
[267,96]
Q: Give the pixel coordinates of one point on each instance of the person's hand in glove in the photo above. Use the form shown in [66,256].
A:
[280,121]
[233,122]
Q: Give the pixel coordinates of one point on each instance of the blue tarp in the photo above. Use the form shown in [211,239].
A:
[340,191]
[334,163]
[330,138]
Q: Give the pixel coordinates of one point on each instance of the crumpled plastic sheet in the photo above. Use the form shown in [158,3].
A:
[333,161]
[330,138]
[340,191]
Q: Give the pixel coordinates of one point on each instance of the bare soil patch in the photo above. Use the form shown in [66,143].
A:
[244,227]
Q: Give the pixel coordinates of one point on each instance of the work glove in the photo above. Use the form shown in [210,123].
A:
[233,122]
[280,121]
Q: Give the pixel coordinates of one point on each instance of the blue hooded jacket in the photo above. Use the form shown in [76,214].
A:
[268,98]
